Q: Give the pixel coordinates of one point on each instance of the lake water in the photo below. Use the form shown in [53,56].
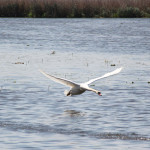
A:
[35,113]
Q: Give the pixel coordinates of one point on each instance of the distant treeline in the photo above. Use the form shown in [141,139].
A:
[75,8]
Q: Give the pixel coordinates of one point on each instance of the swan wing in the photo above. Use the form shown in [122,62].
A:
[105,75]
[86,87]
[60,80]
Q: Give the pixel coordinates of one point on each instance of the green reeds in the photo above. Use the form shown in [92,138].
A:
[75,8]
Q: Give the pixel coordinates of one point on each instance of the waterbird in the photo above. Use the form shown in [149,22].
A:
[75,88]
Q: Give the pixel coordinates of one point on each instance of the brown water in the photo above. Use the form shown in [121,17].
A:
[35,114]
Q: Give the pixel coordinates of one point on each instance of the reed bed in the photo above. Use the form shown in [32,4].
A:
[75,8]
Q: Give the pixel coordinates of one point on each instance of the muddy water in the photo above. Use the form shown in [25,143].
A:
[35,114]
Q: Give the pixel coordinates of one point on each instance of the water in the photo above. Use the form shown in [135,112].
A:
[35,114]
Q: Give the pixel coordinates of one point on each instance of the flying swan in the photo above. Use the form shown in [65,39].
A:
[75,88]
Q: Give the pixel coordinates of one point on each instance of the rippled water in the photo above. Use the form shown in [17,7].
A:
[35,114]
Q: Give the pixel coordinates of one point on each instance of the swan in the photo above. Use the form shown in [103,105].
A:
[75,88]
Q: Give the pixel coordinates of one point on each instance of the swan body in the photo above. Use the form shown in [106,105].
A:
[75,88]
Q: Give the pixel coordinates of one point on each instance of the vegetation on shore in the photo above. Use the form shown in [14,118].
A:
[75,8]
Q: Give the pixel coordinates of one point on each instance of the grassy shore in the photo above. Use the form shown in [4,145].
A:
[75,8]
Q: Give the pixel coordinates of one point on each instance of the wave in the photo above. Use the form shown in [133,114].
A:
[39,128]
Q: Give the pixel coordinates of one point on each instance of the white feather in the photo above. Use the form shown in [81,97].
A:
[60,80]
[105,75]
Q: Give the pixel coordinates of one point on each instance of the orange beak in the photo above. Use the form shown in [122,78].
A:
[99,93]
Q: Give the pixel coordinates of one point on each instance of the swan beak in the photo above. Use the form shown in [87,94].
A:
[99,93]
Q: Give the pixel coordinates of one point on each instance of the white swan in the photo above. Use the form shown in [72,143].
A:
[76,88]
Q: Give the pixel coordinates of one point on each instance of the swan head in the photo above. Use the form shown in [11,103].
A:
[67,93]
[99,93]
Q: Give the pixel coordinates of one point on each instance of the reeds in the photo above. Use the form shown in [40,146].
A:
[75,8]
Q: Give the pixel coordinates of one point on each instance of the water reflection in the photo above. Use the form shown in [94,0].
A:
[73,113]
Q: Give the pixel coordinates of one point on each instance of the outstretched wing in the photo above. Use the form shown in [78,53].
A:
[60,80]
[105,75]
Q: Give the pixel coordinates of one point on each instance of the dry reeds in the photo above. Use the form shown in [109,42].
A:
[74,8]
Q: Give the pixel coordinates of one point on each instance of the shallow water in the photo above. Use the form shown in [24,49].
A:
[35,114]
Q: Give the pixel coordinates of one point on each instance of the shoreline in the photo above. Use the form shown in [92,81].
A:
[75,9]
